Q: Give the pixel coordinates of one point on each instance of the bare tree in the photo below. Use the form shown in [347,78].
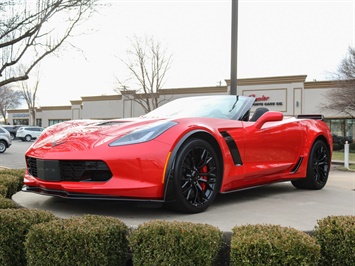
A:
[29,94]
[9,98]
[148,63]
[342,97]
[31,30]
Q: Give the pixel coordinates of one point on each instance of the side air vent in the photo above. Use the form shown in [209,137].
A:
[297,166]
[232,148]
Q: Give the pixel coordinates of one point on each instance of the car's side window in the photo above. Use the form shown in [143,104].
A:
[2,131]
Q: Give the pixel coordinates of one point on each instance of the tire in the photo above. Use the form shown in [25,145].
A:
[196,177]
[2,146]
[28,138]
[317,169]
[12,136]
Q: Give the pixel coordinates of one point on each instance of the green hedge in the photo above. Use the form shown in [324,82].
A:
[14,225]
[8,204]
[11,183]
[336,236]
[272,245]
[32,237]
[175,243]
[86,240]
[12,180]
[3,191]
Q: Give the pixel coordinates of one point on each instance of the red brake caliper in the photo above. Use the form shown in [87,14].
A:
[203,170]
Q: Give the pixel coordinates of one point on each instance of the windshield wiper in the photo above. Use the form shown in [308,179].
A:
[235,103]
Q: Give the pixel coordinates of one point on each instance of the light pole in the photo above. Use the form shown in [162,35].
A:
[234,48]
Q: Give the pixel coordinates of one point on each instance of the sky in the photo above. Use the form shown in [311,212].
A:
[275,38]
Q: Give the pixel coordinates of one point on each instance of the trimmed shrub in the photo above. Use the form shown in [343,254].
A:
[17,173]
[14,225]
[336,236]
[8,204]
[87,240]
[175,243]
[3,191]
[272,245]
[11,183]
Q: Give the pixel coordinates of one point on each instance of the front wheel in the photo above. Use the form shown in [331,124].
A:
[28,138]
[196,176]
[318,167]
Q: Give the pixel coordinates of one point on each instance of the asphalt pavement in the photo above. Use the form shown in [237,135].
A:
[14,156]
[279,203]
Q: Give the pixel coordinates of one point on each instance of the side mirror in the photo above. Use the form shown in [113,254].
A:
[270,116]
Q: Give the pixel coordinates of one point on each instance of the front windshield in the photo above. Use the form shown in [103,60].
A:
[218,106]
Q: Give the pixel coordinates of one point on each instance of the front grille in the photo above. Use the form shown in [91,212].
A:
[68,170]
[31,166]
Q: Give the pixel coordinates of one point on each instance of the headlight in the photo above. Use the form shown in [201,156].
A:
[144,134]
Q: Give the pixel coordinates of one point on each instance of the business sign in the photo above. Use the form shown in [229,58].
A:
[21,115]
[274,100]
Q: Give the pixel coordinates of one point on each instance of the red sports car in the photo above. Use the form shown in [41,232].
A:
[181,154]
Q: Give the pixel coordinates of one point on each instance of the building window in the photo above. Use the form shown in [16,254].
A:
[23,122]
[55,121]
[349,130]
[342,130]
[39,122]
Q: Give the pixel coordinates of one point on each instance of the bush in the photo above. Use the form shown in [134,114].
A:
[338,147]
[336,236]
[8,204]
[14,225]
[3,191]
[87,240]
[17,173]
[272,245]
[175,243]
[9,185]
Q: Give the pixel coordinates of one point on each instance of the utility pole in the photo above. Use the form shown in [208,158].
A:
[234,48]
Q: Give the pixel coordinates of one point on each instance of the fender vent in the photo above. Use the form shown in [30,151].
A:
[232,148]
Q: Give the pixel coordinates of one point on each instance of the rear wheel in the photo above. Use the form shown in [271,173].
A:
[196,176]
[318,168]
[2,146]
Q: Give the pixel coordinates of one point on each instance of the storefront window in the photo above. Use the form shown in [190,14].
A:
[337,128]
[38,122]
[349,130]
[56,121]
[342,130]
[20,122]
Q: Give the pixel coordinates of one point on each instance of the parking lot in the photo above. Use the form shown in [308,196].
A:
[275,204]
[14,157]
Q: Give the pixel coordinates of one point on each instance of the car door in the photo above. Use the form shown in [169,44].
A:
[272,149]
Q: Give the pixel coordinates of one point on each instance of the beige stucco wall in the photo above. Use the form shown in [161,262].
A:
[291,95]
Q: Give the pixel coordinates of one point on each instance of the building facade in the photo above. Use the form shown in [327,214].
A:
[291,95]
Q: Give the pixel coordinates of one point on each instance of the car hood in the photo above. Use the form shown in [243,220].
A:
[81,135]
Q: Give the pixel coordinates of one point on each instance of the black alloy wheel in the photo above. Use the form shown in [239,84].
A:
[197,177]
[318,168]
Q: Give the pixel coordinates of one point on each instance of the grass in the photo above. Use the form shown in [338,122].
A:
[339,156]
